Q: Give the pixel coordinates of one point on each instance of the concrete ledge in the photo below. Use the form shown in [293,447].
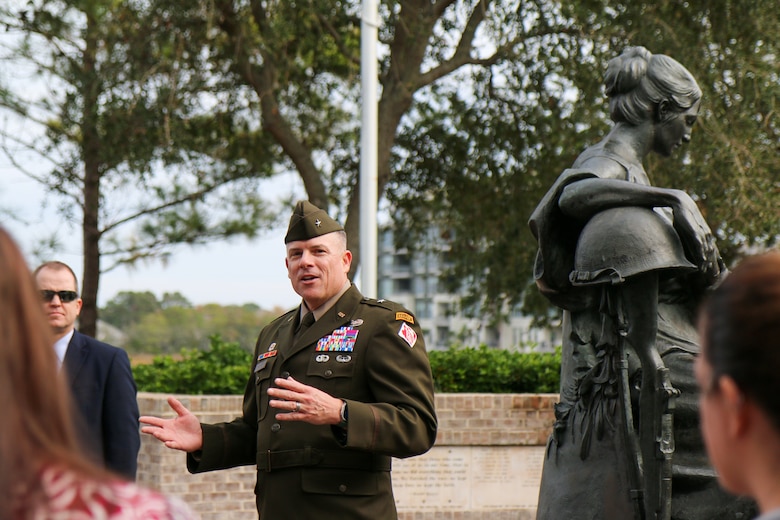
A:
[485,464]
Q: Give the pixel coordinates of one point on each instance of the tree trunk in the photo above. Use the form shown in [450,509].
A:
[91,152]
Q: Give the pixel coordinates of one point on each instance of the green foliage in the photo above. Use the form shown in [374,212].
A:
[485,370]
[173,328]
[477,160]
[175,299]
[120,123]
[128,307]
[167,325]
[179,107]
[167,330]
[222,369]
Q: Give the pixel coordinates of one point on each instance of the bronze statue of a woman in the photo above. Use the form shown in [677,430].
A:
[629,263]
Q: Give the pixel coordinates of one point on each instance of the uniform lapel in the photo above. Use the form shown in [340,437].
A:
[75,357]
[284,337]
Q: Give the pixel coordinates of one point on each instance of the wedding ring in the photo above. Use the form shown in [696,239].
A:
[297,406]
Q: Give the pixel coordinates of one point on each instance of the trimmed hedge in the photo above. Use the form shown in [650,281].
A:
[486,370]
[221,370]
[224,369]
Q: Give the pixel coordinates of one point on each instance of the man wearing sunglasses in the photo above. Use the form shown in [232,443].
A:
[98,374]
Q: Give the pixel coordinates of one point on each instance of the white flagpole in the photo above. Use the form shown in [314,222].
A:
[368,147]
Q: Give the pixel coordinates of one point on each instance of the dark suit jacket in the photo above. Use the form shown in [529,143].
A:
[368,352]
[104,394]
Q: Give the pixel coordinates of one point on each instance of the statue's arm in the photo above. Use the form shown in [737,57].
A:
[586,197]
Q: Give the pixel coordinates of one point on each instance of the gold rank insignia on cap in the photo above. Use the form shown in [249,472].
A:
[309,221]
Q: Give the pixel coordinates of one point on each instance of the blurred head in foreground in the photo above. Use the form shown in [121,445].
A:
[738,371]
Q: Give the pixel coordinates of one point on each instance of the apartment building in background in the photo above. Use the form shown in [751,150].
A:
[413,279]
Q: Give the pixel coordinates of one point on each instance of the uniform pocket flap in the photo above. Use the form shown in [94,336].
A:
[339,482]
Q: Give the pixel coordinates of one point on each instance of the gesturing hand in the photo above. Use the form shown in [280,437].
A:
[183,432]
[304,403]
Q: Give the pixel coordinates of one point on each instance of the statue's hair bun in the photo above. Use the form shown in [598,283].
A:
[625,72]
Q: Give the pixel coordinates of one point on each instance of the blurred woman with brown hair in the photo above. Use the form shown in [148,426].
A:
[43,473]
[738,371]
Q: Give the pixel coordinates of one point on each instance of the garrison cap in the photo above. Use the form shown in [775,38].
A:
[309,221]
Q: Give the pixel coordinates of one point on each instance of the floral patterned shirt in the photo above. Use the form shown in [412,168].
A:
[73,497]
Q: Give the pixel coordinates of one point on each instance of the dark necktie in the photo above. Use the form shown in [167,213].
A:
[306,322]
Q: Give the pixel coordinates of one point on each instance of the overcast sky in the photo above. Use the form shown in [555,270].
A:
[235,272]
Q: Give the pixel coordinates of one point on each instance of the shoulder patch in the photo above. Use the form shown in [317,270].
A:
[405,316]
[408,334]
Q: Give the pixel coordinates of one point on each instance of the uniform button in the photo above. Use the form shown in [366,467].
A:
[275,427]
[328,373]
[343,488]
[284,375]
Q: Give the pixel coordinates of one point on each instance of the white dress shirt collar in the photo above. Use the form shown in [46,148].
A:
[61,346]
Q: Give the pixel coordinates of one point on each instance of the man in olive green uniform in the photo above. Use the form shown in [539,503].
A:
[339,385]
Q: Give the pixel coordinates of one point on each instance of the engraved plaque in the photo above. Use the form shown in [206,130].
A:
[507,477]
[469,478]
[436,480]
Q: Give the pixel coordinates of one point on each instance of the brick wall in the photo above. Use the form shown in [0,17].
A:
[494,419]
[484,422]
